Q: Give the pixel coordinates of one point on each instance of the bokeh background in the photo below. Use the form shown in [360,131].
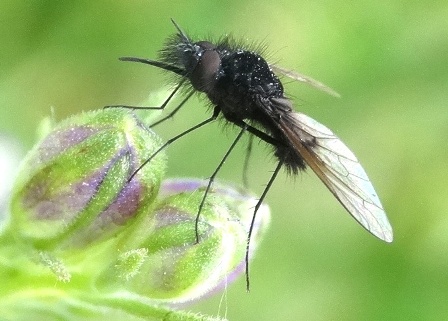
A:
[388,60]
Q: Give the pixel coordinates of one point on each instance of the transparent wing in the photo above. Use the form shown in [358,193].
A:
[305,79]
[339,170]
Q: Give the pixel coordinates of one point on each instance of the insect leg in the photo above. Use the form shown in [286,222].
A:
[212,178]
[152,108]
[246,160]
[169,141]
[252,223]
[260,134]
[174,111]
[270,140]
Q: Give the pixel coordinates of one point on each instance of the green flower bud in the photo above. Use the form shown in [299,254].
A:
[160,259]
[73,186]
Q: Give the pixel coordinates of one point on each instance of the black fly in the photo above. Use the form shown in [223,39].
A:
[246,92]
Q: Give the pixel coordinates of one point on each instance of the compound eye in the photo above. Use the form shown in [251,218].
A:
[203,76]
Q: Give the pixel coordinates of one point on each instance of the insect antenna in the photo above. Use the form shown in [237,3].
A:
[181,32]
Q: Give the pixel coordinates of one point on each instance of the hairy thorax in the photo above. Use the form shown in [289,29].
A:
[243,79]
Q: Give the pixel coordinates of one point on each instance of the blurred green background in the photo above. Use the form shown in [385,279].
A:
[388,60]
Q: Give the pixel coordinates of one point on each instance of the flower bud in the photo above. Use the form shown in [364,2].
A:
[73,186]
[161,259]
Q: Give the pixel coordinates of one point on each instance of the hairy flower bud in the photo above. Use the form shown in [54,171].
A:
[73,186]
[161,259]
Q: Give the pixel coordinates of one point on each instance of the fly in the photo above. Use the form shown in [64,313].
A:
[245,91]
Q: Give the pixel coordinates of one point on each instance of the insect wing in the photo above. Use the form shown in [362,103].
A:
[340,171]
[305,79]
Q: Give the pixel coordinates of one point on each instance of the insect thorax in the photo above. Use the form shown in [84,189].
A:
[243,78]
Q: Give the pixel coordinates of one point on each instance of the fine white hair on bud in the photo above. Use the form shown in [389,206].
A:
[73,187]
[177,269]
